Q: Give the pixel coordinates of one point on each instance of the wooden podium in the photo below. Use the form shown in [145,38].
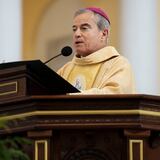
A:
[76,127]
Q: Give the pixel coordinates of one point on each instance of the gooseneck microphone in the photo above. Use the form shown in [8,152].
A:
[66,51]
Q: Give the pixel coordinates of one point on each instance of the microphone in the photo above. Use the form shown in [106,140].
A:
[66,51]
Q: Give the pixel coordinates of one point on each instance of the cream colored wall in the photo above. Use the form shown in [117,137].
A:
[33,11]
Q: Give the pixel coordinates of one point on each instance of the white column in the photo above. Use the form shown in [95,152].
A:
[10,30]
[139,42]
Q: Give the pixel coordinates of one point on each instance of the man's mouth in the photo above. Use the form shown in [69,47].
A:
[78,42]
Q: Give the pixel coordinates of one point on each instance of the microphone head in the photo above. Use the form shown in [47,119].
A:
[66,51]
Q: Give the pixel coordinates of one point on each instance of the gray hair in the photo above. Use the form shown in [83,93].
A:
[102,23]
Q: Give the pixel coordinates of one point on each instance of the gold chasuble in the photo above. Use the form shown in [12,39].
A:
[104,71]
[83,77]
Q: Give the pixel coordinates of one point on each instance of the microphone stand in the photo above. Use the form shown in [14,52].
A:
[53,58]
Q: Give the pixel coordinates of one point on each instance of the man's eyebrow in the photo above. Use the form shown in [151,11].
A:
[82,25]
[86,24]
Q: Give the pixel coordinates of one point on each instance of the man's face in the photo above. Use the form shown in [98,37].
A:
[87,38]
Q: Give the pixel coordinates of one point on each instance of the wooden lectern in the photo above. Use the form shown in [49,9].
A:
[34,103]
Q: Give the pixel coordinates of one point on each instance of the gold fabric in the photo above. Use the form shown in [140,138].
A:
[102,72]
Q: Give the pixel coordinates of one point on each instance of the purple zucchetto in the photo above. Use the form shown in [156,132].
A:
[99,11]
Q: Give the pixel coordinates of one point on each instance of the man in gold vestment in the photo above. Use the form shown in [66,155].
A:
[96,68]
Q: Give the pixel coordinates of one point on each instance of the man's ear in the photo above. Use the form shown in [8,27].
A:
[105,32]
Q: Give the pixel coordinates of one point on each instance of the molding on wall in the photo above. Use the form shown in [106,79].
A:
[32,13]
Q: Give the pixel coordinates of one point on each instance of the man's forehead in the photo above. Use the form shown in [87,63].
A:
[84,18]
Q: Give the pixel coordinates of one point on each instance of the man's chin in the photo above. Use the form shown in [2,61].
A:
[81,53]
